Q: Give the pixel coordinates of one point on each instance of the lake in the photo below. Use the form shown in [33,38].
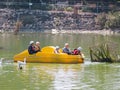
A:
[46,76]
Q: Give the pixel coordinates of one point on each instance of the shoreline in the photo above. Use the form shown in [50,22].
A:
[102,32]
[54,31]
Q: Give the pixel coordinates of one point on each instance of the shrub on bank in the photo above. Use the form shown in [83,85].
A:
[113,20]
[108,21]
[101,20]
[69,9]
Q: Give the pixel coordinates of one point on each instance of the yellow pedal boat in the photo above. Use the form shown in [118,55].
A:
[47,55]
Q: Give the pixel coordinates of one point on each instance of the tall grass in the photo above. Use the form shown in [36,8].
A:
[104,53]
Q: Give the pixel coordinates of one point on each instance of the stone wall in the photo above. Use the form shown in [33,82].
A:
[37,20]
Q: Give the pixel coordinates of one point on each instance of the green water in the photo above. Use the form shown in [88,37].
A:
[41,76]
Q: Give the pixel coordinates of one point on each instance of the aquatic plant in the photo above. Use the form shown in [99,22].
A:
[104,53]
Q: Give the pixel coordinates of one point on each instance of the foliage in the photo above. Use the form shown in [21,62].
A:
[69,9]
[106,52]
[101,19]
[86,9]
[109,21]
[113,20]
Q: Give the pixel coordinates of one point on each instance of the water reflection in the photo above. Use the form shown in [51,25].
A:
[66,78]
[40,76]
[101,76]
[53,76]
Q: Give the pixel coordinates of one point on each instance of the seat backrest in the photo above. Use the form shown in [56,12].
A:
[48,49]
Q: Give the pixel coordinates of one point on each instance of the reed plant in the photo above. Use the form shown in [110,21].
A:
[104,53]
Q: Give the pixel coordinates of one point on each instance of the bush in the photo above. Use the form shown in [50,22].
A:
[101,20]
[113,20]
[108,21]
[86,9]
[69,9]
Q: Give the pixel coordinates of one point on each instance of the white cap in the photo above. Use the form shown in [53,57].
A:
[31,42]
[37,42]
[66,44]
[79,48]
[57,47]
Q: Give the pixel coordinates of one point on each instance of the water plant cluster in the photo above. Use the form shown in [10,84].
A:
[107,52]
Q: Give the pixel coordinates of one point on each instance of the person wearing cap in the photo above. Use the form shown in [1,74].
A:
[66,49]
[37,46]
[56,50]
[31,48]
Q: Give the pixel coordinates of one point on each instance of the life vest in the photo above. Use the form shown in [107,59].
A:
[76,52]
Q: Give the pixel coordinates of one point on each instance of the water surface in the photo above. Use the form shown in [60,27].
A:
[41,76]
